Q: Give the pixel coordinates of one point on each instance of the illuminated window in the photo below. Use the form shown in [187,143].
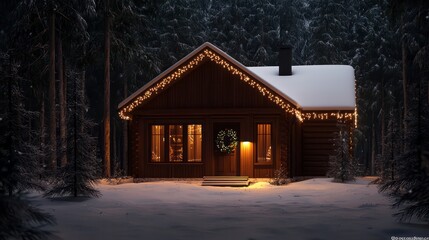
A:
[195,141]
[264,150]
[175,142]
[158,143]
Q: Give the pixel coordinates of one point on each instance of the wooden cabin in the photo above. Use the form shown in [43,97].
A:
[210,115]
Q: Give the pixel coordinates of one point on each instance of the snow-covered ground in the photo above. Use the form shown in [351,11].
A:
[311,209]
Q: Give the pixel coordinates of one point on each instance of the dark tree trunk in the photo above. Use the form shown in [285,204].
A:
[75,144]
[62,102]
[52,112]
[9,135]
[82,99]
[125,136]
[405,82]
[106,112]
[373,150]
[382,118]
[42,129]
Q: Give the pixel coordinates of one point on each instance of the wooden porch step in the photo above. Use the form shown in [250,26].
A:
[225,181]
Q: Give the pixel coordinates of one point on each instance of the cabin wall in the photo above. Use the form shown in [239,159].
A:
[141,166]
[208,95]
[317,145]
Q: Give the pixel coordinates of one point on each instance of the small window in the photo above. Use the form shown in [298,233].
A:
[195,141]
[264,150]
[157,143]
[175,142]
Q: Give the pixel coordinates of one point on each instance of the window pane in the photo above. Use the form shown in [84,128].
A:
[195,141]
[264,143]
[175,140]
[158,140]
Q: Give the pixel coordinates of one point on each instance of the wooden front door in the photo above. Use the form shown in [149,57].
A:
[226,164]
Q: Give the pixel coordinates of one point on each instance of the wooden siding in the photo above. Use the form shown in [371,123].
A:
[264,171]
[134,147]
[174,170]
[317,146]
[209,87]
[208,95]
[284,142]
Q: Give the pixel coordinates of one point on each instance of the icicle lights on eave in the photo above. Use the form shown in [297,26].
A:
[264,91]
[159,86]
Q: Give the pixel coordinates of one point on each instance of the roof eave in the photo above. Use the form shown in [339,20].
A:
[327,108]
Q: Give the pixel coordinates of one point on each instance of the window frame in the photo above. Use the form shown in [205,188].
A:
[273,148]
[164,141]
[166,126]
[187,142]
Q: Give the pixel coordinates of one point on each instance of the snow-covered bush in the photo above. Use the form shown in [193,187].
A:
[280,175]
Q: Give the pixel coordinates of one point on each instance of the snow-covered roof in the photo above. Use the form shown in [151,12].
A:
[317,87]
[314,87]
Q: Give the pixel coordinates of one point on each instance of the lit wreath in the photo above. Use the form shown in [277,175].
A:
[226,140]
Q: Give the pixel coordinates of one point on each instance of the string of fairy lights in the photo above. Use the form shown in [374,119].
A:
[212,56]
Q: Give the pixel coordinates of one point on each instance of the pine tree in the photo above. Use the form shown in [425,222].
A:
[329,31]
[386,169]
[19,168]
[280,175]
[79,175]
[341,164]
[410,186]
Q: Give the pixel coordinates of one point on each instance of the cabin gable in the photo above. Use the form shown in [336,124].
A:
[208,86]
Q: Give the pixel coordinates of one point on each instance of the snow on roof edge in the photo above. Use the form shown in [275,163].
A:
[314,87]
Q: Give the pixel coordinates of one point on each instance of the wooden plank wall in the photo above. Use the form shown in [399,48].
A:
[208,87]
[317,146]
[210,94]
[133,145]
[174,170]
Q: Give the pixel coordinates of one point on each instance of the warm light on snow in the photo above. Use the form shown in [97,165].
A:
[311,209]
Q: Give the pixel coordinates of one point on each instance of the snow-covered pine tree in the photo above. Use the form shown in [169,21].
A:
[19,155]
[386,167]
[329,31]
[180,26]
[78,177]
[294,28]
[229,25]
[280,175]
[342,166]
[411,185]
